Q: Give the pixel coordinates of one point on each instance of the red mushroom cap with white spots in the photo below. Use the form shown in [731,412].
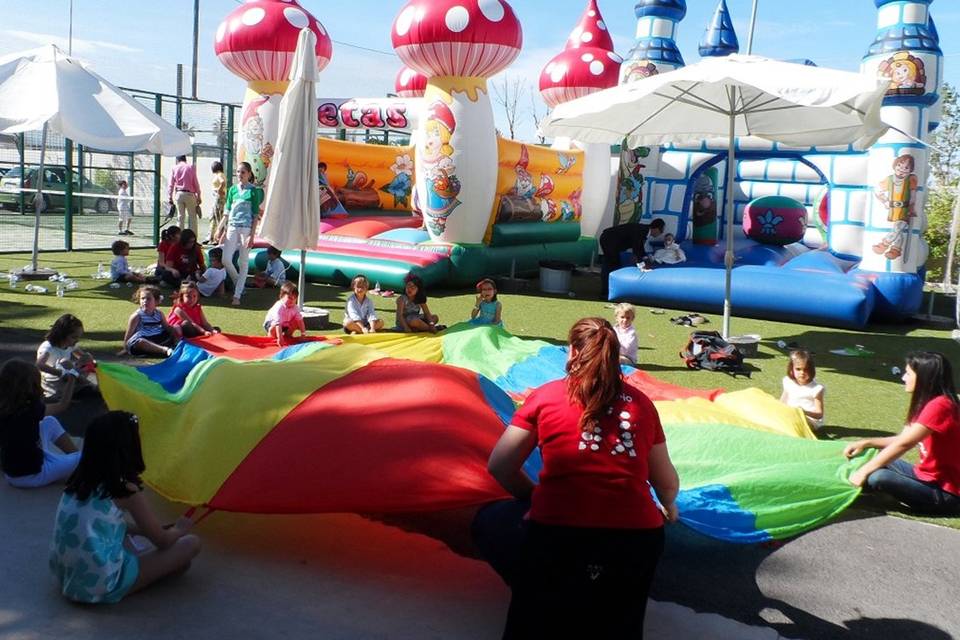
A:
[457,37]
[410,83]
[574,73]
[591,31]
[258,39]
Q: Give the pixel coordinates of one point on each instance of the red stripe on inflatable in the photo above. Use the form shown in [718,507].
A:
[395,436]
[410,256]
[658,390]
[248,347]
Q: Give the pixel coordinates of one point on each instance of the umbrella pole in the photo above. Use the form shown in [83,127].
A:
[302,280]
[731,214]
[38,202]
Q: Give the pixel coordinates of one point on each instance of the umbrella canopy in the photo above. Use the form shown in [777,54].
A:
[44,86]
[291,217]
[732,97]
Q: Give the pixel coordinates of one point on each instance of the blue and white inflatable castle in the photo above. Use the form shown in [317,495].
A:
[825,235]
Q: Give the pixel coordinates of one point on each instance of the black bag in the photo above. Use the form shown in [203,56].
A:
[171,211]
[709,351]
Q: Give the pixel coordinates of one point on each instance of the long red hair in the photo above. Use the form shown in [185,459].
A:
[593,371]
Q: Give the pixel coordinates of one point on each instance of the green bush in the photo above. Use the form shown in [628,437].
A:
[939,209]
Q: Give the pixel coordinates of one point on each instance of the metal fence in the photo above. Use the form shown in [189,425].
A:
[80,184]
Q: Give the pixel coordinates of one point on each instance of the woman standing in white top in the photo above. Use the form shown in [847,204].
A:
[801,389]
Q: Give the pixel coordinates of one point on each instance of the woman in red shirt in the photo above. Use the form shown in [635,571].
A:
[581,560]
[933,423]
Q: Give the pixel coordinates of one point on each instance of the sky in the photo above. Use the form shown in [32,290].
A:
[138,43]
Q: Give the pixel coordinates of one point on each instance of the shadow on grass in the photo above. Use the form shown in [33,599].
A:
[837,432]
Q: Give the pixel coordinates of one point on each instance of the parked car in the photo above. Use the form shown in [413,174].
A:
[54,184]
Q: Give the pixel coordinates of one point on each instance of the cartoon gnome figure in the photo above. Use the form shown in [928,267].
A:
[898,192]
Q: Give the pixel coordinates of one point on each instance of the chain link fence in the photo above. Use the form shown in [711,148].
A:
[80,185]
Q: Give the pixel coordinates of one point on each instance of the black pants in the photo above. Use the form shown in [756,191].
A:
[613,240]
[569,581]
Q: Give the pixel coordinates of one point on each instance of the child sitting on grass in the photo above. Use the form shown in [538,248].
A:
[148,332]
[184,260]
[360,316]
[801,389]
[284,319]
[211,282]
[58,357]
[276,272]
[91,555]
[624,315]
[168,238]
[413,314]
[487,309]
[34,449]
[119,269]
[187,314]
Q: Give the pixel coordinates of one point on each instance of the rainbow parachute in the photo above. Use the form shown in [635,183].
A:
[404,423]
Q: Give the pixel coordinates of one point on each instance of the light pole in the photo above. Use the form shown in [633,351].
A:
[196,45]
[70,32]
[753,26]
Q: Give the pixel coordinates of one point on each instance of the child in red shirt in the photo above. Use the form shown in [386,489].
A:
[933,424]
[188,314]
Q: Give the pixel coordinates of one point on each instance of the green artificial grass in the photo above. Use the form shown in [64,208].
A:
[864,398]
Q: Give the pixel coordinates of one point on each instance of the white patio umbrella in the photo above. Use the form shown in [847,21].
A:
[46,89]
[291,217]
[730,97]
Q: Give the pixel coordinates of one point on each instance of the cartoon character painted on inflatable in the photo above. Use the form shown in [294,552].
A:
[705,208]
[440,171]
[257,150]
[402,184]
[520,203]
[638,71]
[907,74]
[630,188]
[898,192]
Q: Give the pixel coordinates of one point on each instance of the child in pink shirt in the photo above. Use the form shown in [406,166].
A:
[284,318]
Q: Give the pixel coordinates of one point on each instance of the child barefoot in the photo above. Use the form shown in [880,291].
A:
[276,272]
[360,316]
[34,449]
[148,332]
[210,282]
[624,315]
[800,388]
[187,314]
[119,269]
[413,314]
[284,318]
[487,309]
[91,555]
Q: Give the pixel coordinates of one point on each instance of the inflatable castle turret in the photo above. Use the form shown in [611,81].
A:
[719,38]
[256,41]
[457,46]
[906,52]
[655,50]
[586,65]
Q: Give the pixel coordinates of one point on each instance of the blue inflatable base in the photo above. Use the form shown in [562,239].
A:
[790,283]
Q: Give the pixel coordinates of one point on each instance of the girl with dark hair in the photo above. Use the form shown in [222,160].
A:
[59,358]
[579,549]
[242,209]
[91,556]
[487,309]
[933,423]
[34,449]
[184,260]
[413,314]
[169,238]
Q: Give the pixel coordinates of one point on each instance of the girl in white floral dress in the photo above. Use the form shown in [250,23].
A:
[92,556]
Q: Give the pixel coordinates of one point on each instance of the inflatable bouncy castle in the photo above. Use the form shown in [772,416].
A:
[829,236]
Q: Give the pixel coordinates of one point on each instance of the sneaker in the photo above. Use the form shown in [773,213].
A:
[129,233]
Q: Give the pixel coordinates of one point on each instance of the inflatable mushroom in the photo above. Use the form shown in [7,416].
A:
[257,42]
[457,45]
[587,64]
[410,83]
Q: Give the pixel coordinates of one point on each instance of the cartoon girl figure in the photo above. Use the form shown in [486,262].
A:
[436,154]
[898,192]
[906,73]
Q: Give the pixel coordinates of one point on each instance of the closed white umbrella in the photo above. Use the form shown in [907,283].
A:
[730,97]
[291,217]
[48,90]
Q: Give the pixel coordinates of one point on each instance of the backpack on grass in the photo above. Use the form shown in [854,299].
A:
[709,351]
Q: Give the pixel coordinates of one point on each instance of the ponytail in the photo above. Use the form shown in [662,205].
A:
[593,373]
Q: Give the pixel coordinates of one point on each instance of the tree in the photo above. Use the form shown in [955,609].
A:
[945,145]
[507,94]
[538,112]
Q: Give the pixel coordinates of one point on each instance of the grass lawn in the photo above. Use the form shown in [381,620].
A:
[864,398]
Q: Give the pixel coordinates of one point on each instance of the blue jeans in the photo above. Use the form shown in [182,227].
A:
[899,480]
